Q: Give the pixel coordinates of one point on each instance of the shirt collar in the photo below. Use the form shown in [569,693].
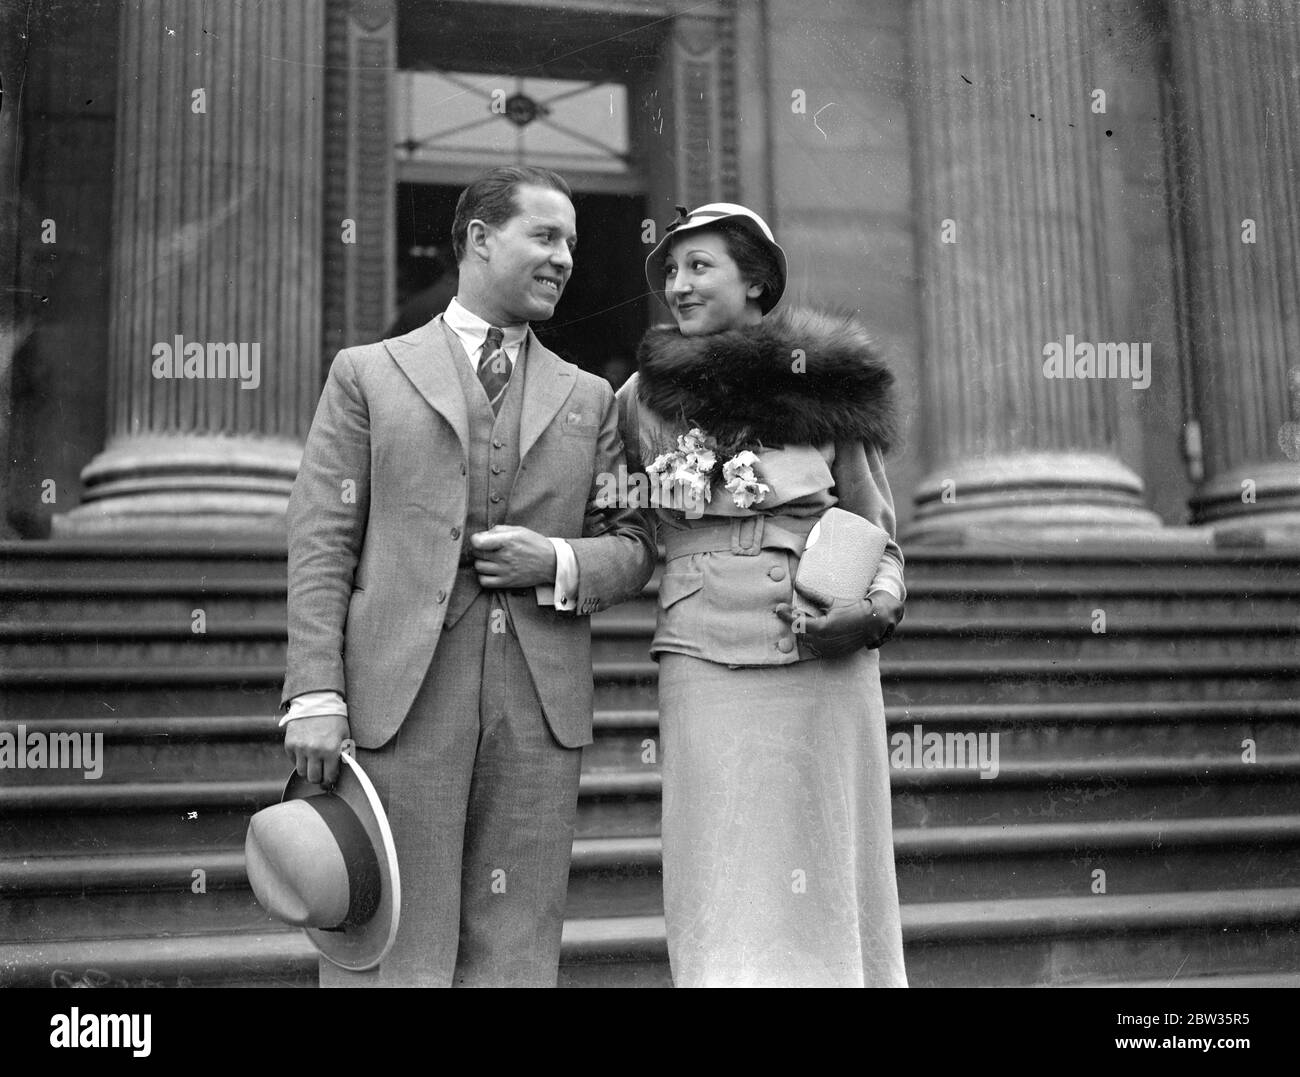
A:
[463,320]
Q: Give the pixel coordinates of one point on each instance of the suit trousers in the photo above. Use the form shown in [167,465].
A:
[482,801]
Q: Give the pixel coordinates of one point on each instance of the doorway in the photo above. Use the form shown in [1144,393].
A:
[600,317]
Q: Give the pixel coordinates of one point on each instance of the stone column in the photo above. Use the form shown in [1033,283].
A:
[1236,93]
[14,19]
[216,332]
[1008,169]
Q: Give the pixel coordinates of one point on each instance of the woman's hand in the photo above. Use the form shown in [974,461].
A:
[845,629]
[886,613]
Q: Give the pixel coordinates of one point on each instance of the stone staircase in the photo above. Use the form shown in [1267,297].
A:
[1119,752]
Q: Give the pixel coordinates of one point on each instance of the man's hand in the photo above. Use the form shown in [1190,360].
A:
[314,744]
[866,623]
[512,557]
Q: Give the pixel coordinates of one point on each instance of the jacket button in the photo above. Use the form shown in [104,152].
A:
[776,572]
[496,498]
[496,469]
[785,646]
[455,532]
[497,443]
[442,597]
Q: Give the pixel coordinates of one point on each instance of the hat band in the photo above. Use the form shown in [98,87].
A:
[365,884]
[698,217]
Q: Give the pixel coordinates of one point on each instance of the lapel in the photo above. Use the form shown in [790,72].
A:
[548,381]
[425,358]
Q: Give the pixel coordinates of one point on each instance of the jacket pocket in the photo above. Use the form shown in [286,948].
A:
[678,585]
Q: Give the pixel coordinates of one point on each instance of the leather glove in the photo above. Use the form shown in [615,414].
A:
[868,623]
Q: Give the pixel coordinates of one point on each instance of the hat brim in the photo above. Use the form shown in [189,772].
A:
[653,263]
[364,946]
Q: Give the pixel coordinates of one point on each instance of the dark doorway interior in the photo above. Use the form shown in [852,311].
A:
[603,311]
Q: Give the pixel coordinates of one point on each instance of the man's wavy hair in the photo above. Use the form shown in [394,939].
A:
[491,198]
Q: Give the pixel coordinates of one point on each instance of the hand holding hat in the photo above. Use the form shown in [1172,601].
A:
[325,861]
[314,745]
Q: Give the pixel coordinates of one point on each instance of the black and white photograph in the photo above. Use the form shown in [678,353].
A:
[651,493]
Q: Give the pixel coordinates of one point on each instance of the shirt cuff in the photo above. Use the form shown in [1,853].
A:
[315,705]
[563,594]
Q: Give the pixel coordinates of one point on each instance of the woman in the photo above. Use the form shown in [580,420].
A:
[778,848]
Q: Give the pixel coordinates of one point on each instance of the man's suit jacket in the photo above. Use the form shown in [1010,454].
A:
[377,518]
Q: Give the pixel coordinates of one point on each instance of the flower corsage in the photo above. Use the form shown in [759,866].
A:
[685,475]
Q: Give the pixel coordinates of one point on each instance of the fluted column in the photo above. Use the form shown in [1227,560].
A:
[1236,91]
[1011,247]
[216,236]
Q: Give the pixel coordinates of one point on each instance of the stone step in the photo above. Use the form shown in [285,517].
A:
[282,958]
[273,958]
[249,746]
[238,600]
[90,560]
[1030,732]
[1097,791]
[1005,681]
[259,641]
[1064,941]
[224,601]
[1035,942]
[995,861]
[626,797]
[170,909]
[1241,938]
[1123,560]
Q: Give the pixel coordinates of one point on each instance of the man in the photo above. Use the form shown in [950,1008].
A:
[445,549]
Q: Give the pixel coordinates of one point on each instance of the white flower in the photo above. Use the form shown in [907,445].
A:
[661,464]
[747,491]
[694,440]
[702,459]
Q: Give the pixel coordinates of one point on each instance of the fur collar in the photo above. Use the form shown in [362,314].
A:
[739,386]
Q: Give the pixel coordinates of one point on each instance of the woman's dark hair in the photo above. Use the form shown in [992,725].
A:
[752,259]
[491,198]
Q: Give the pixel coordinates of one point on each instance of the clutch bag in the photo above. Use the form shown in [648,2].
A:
[840,560]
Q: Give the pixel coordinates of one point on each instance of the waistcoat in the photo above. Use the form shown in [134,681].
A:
[493,464]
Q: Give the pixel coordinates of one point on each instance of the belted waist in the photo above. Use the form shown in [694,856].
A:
[742,535]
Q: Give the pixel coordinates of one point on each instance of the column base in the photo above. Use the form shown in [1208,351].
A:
[1272,512]
[178,485]
[1057,496]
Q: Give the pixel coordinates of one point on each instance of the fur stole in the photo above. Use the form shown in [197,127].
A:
[799,377]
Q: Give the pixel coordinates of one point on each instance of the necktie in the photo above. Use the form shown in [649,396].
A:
[494,368]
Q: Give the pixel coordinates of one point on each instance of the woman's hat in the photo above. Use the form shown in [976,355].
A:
[325,861]
[715,213]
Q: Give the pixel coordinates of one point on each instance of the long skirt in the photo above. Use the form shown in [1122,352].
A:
[777,835]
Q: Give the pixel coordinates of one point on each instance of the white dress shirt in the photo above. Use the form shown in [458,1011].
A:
[562,594]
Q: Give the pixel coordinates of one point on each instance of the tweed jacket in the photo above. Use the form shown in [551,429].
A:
[377,516]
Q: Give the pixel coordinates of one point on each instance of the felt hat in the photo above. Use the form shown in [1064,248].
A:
[712,214]
[324,860]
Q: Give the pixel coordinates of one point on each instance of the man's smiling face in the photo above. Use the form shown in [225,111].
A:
[530,256]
